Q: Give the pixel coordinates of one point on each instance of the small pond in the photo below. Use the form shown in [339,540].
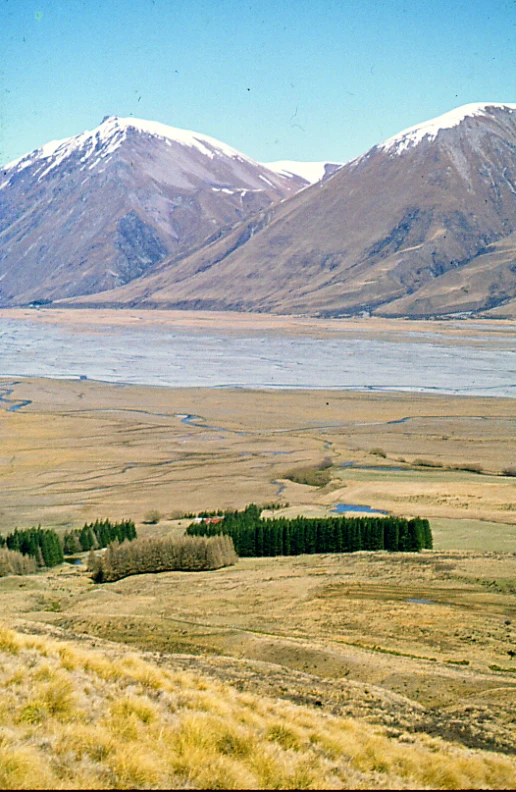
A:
[343,508]
[419,601]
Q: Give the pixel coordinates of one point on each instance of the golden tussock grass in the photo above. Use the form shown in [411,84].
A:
[74,717]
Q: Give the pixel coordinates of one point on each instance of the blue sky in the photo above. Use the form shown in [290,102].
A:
[318,80]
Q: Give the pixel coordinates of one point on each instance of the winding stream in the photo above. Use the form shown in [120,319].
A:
[14,404]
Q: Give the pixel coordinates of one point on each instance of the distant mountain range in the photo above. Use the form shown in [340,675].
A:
[135,213]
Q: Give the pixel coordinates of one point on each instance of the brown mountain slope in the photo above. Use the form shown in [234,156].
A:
[485,281]
[401,230]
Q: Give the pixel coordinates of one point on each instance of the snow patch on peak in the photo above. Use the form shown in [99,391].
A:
[41,153]
[99,140]
[311,172]
[106,138]
[411,137]
[208,146]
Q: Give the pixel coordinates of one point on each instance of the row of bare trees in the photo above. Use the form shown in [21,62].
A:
[185,553]
[14,563]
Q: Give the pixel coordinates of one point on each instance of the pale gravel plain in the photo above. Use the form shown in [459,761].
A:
[194,349]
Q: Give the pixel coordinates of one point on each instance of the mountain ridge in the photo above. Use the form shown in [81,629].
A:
[378,236]
[93,211]
[419,225]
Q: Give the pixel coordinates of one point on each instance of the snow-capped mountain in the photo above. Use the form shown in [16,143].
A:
[423,224]
[312,172]
[93,211]
[411,137]
[99,144]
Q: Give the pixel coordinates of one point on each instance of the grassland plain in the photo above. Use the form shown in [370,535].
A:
[399,655]
[242,322]
[74,449]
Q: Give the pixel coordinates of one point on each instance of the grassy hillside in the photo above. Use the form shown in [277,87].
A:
[76,717]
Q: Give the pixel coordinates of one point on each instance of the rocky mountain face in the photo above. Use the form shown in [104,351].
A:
[136,214]
[93,212]
[423,224]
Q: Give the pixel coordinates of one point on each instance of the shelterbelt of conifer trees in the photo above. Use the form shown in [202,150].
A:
[255,537]
[98,534]
[48,549]
[41,543]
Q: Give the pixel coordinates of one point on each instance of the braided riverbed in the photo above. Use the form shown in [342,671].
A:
[181,357]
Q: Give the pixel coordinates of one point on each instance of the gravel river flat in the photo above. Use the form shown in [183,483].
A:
[209,354]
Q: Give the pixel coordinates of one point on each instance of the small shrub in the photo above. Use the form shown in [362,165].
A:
[469,467]
[152,517]
[509,471]
[379,452]
[316,476]
[426,463]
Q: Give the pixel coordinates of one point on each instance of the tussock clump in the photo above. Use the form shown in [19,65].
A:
[426,463]
[314,476]
[9,641]
[185,553]
[21,768]
[81,719]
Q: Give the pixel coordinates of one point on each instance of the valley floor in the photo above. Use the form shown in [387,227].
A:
[452,330]
[417,647]
[75,450]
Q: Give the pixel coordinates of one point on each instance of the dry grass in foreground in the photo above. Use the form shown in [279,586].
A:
[73,717]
